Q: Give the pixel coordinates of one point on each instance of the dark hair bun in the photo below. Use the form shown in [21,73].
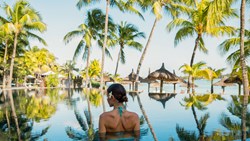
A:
[125,99]
[118,91]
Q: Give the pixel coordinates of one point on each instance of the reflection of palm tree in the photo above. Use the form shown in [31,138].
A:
[200,102]
[238,108]
[87,128]
[21,124]
[146,118]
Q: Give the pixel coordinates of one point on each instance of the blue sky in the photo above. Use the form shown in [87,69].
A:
[62,16]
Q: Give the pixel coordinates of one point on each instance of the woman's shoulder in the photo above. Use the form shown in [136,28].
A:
[133,114]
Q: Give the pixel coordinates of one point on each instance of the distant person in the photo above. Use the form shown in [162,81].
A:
[119,119]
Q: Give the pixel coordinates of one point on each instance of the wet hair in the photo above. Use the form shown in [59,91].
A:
[118,91]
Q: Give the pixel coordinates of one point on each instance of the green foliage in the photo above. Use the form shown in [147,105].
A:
[52,80]
[95,84]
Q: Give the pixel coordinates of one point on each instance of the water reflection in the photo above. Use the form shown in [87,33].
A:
[161,97]
[238,125]
[37,110]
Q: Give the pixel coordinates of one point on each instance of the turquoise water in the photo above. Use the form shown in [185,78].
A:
[62,114]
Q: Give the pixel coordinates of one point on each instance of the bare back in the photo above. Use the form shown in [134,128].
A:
[114,122]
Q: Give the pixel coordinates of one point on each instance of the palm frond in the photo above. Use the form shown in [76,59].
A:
[32,35]
[69,36]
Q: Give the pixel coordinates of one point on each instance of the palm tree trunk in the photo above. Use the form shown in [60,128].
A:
[212,87]
[144,53]
[103,50]
[69,79]
[193,90]
[14,113]
[146,118]
[242,52]
[87,69]
[4,61]
[192,59]
[118,60]
[12,60]
[89,109]
[239,88]
[244,119]
[6,111]
[196,120]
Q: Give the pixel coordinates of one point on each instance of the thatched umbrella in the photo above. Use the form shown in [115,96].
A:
[163,75]
[235,79]
[148,81]
[163,98]
[131,77]
[223,84]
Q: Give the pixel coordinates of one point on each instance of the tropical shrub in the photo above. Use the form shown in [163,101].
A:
[52,80]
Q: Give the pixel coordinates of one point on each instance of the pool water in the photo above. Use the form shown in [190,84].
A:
[73,114]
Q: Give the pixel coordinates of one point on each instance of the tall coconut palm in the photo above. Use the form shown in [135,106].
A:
[202,21]
[157,7]
[127,33]
[68,68]
[6,37]
[89,31]
[24,18]
[123,6]
[243,63]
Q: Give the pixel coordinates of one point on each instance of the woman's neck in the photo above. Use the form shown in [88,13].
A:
[116,105]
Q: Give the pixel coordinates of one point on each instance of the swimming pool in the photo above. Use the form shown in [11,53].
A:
[63,114]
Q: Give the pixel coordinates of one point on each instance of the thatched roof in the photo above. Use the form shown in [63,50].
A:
[222,83]
[132,77]
[162,74]
[163,98]
[233,79]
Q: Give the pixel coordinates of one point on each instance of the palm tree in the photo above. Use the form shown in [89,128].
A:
[123,6]
[89,31]
[5,37]
[157,7]
[202,21]
[68,68]
[195,71]
[214,73]
[24,18]
[127,33]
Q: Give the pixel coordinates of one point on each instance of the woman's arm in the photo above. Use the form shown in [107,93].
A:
[102,128]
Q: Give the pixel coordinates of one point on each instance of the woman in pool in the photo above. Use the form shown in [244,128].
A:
[119,119]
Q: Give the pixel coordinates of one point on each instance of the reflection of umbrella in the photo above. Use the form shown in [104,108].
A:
[223,84]
[163,98]
[163,75]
